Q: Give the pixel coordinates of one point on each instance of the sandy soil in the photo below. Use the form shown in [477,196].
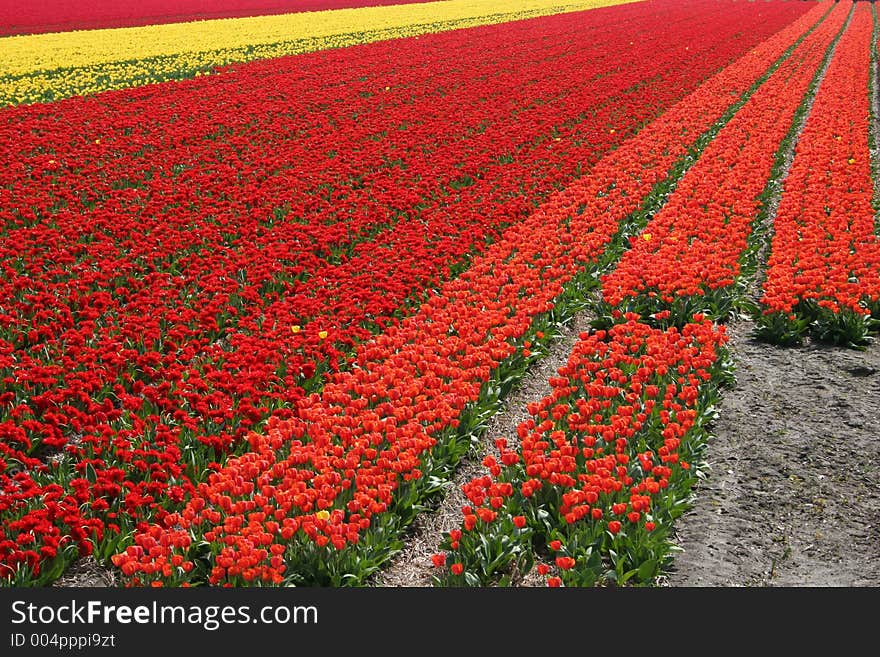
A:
[87,572]
[792,493]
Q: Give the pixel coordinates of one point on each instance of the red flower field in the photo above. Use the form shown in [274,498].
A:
[251,322]
[825,253]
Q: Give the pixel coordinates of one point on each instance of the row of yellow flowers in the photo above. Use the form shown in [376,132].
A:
[47,67]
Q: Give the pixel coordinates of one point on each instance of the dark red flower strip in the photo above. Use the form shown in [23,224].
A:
[694,244]
[824,247]
[132,400]
[323,476]
[41,16]
[597,456]
[429,231]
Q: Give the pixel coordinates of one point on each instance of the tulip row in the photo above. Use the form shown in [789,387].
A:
[689,257]
[824,268]
[322,496]
[601,468]
[47,67]
[64,15]
[594,479]
[146,359]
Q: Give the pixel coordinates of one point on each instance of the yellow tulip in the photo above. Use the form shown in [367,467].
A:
[57,65]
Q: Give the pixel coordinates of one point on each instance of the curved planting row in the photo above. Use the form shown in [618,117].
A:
[323,496]
[600,470]
[155,342]
[594,478]
[689,256]
[823,268]
[48,67]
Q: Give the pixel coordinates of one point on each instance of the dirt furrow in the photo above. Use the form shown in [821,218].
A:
[792,492]
[412,566]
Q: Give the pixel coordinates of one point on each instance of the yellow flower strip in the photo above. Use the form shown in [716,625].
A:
[47,67]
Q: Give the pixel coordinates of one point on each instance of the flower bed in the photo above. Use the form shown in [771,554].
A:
[602,467]
[590,485]
[151,318]
[823,267]
[323,496]
[688,258]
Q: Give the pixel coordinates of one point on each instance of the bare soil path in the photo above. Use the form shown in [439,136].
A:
[792,494]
